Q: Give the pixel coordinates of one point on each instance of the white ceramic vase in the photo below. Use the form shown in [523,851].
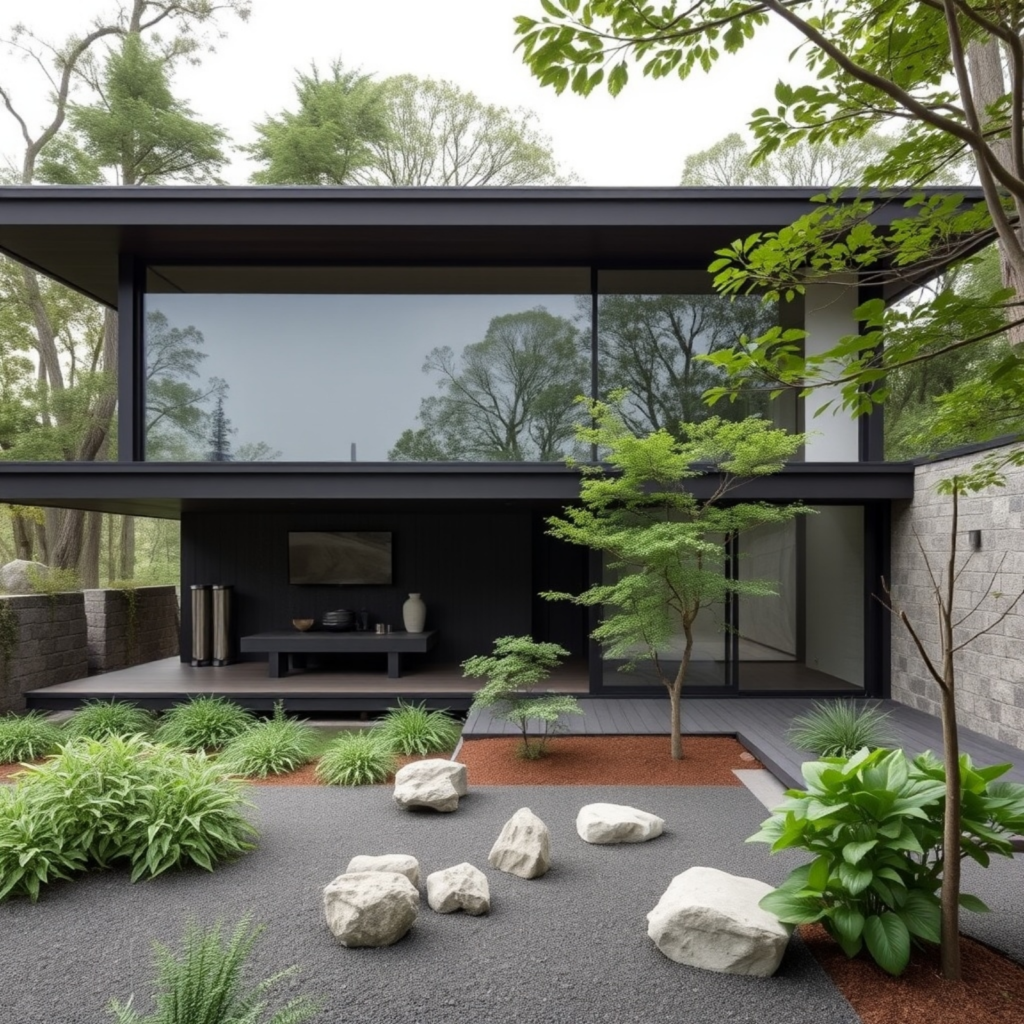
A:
[414,614]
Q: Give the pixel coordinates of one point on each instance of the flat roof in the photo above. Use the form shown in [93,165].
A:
[76,234]
[167,489]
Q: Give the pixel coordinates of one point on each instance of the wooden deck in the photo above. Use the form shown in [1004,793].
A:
[759,723]
[161,684]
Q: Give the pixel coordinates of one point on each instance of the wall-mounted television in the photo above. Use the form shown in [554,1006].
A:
[339,558]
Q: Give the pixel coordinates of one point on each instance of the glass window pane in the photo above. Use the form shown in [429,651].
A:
[653,325]
[424,374]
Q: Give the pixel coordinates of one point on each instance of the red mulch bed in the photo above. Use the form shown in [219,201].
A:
[7,770]
[992,992]
[607,761]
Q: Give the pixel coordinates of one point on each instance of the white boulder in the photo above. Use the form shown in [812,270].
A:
[462,887]
[434,783]
[17,577]
[710,919]
[617,823]
[400,863]
[523,847]
[370,908]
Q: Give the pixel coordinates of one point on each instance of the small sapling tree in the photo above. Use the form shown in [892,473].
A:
[957,629]
[664,543]
[517,665]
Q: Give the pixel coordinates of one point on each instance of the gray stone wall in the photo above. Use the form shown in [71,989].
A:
[990,671]
[118,638]
[48,644]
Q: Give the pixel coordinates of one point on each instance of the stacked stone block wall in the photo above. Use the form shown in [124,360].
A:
[120,636]
[990,670]
[43,640]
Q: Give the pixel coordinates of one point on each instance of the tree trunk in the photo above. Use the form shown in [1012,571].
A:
[126,560]
[22,532]
[66,549]
[985,65]
[950,934]
[89,564]
[111,550]
[674,695]
[42,543]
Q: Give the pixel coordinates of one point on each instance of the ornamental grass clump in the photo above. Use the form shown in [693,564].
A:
[839,728]
[28,736]
[517,665]
[202,983]
[203,723]
[274,747]
[121,800]
[98,719]
[358,759]
[412,729]
[873,824]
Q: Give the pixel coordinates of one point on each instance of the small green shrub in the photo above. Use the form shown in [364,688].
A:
[202,984]
[270,748]
[518,664]
[873,824]
[97,719]
[412,729]
[839,728]
[98,803]
[358,759]
[203,723]
[27,736]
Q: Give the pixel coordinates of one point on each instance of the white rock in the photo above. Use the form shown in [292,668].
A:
[15,578]
[435,783]
[400,863]
[710,919]
[617,823]
[462,887]
[370,908]
[524,846]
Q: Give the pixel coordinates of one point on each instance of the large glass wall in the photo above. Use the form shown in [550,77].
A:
[337,364]
[476,364]
[807,637]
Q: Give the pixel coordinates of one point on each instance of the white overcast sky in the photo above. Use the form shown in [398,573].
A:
[640,138]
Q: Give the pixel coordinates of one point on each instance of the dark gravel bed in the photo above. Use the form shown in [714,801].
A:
[569,947]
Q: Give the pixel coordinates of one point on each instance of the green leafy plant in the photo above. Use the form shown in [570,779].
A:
[97,719]
[10,636]
[517,665]
[358,759]
[98,803]
[270,748]
[203,984]
[413,729]
[874,826]
[53,582]
[27,736]
[203,723]
[839,728]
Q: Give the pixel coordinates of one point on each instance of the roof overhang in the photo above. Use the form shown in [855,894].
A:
[76,234]
[166,490]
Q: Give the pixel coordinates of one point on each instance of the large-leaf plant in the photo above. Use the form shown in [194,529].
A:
[873,824]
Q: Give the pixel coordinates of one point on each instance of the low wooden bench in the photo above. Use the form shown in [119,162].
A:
[282,644]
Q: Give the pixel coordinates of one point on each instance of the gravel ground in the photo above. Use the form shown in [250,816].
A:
[569,947]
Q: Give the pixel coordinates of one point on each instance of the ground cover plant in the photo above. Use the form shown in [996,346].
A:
[874,825]
[358,759]
[839,728]
[202,983]
[273,747]
[97,719]
[28,736]
[517,665]
[413,729]
[121,800]
[203,723]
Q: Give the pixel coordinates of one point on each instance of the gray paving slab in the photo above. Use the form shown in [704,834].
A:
[569,947]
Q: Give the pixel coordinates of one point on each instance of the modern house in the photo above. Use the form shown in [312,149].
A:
[398,367]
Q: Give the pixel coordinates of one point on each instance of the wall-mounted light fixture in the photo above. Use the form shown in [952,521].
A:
[974,536]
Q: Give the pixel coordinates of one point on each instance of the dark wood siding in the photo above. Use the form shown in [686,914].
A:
[475,571]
